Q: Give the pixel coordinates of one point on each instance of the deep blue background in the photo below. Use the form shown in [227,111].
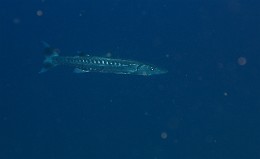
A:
[208,104]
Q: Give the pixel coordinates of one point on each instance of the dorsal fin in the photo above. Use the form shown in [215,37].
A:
[48,50]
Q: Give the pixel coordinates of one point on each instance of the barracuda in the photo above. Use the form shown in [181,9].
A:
[87,63]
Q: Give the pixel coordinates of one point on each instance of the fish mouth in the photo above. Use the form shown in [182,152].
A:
[163,71]
[158,71]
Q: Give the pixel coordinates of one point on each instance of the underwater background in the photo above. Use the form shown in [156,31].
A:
[206,106]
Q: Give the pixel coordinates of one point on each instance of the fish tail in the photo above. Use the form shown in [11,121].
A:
[49,54]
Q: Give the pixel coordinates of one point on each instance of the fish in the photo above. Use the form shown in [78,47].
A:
[83,63]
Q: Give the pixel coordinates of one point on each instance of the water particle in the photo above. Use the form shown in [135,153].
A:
[39,13]
[241,61]
[164,135]
[16,21]
[225,94]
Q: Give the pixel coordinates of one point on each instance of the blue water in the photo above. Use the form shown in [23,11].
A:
[206,106]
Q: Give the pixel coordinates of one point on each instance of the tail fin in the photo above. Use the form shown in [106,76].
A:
[49,54]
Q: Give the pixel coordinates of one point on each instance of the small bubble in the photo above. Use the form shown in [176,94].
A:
[16,21]
[109,54]
[82,12]
[241,61]
[225,94]
[39,13]
[164,135]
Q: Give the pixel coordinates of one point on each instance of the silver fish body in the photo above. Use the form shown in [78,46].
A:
[89,63]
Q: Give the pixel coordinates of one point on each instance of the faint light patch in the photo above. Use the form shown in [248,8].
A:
[144,13]
[164,135]
[58,120]
[147,114]
[16,20]
[225,93]
[220,65]
[200,78]
[82,12]
[241,61]
[210,139]
[109,54]
[39,13]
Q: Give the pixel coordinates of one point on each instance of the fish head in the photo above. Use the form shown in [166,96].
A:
[148,70]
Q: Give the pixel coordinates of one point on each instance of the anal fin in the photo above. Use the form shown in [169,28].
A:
[77,70]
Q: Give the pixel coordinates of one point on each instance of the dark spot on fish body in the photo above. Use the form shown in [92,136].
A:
[74,61]
[71,60]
